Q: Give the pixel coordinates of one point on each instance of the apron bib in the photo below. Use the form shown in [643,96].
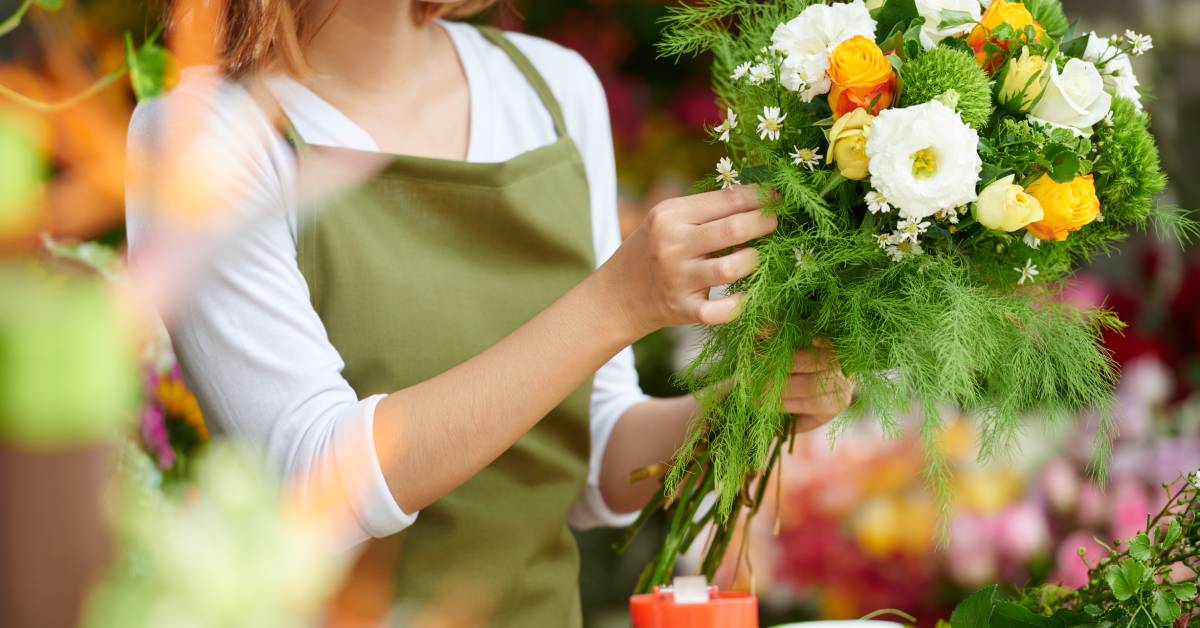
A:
[425,265]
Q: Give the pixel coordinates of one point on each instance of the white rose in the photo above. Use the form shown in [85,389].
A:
[931,10]
[1115,68]
[923,159]
[1074,98]
[805,74]
[821,27]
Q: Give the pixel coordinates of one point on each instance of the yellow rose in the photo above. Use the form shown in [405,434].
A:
[1024,81]
[1066,207]
[861,76]
[1000,12]
[1005,206]
[848,143]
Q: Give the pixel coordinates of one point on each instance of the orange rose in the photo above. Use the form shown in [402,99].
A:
[1066,207]
[862,77]
[1000,12]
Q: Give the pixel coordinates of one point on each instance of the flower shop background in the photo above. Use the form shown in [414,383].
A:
[855,527]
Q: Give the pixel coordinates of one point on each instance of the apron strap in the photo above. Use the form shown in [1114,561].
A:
[531,74]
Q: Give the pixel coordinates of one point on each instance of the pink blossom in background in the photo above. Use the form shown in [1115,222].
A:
[694,106]
[971,557]
[1084,292]
[1130,504]
[1072,570]
[1060,484]
[1093,508]
[1021,531]
[155,436]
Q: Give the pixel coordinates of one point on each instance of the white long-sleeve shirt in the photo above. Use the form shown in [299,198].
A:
[250,343]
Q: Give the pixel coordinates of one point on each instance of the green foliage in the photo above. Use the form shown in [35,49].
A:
[1049,13]
[1128,174]
[147,67]
[932,74]
[1130,587]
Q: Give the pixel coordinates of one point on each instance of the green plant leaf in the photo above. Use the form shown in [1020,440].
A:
[1122,587]
[1010,615]
[49,5]
[1184,591]
[951,18]
[1165,607]
[1174,530]
[1139,547]
[147,67]
[1063,161]
[893,16]
[976,610]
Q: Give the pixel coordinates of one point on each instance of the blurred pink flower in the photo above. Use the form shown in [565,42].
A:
[1060,483]
[971,557]
[1072,570]
[1092,507]
[1085,291]
[1021,531]
[1130,504]
[155,437]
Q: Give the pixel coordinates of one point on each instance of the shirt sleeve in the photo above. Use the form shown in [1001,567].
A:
[211,232]
[615,386]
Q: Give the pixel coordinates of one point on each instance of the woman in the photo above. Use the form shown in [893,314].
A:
[452,337]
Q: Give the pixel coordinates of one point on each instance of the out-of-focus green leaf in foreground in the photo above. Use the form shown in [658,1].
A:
[21,174]
[68,373]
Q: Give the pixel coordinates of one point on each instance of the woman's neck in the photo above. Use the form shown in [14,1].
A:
[402,82]
[370,45]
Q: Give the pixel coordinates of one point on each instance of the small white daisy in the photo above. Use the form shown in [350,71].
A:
[1031,240]
[884,239]
[726,175]
[770,123]
[903,249]
[910,228]
[761,73]
[1194,476]
[807,157]
[1139,43]
[727,125]
[740,71]
[877,203]
[1027,273]
[803,257]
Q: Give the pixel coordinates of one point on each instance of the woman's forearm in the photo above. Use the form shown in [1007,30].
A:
[648,433]
[433,436]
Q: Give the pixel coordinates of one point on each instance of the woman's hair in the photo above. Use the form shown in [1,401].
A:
[269,34]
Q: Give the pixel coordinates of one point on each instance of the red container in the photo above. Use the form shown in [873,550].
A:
[722,610]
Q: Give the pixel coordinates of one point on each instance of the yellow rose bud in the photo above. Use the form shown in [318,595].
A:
[1005,206]
[1000,12]
[848,144]
[861,76]
[1024,81]
[1066,207]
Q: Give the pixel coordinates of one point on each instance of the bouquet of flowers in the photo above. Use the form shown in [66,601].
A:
[938,169]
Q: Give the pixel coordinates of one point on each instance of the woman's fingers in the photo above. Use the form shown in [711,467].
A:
[810,422]
[708,206]
[731,231]
[717,311]
[803,385]
[821,405]
[727,269]
[815,360]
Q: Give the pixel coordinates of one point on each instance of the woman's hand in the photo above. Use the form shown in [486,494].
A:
[662,273]
[817,391]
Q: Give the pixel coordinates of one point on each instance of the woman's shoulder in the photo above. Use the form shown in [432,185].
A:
[568,74]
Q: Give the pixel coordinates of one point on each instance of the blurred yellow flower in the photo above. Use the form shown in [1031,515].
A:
[179,403]
[896,524]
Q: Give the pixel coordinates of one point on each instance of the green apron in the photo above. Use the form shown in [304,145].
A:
[427,264]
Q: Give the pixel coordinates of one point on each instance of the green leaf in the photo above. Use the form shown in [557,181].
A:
[147,67]
[49,5]
[1010,615]
[1093,610]
[951,18]
[1063,163]
[1174,530]
[21,176]
[912,39]
[894,15]
[1139,547]
[1165,607]
[1075,47]
[976,610]
[1184,591]
[1124,583]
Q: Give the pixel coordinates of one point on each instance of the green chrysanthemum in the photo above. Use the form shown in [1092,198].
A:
[932,74]
[1128,172]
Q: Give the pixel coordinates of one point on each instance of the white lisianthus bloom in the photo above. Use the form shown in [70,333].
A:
[1115,68]
[1074,98]
[806,74]
[931,10]
[806,40]
[923,159]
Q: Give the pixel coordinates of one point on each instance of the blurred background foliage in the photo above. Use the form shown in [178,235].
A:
[853,529]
